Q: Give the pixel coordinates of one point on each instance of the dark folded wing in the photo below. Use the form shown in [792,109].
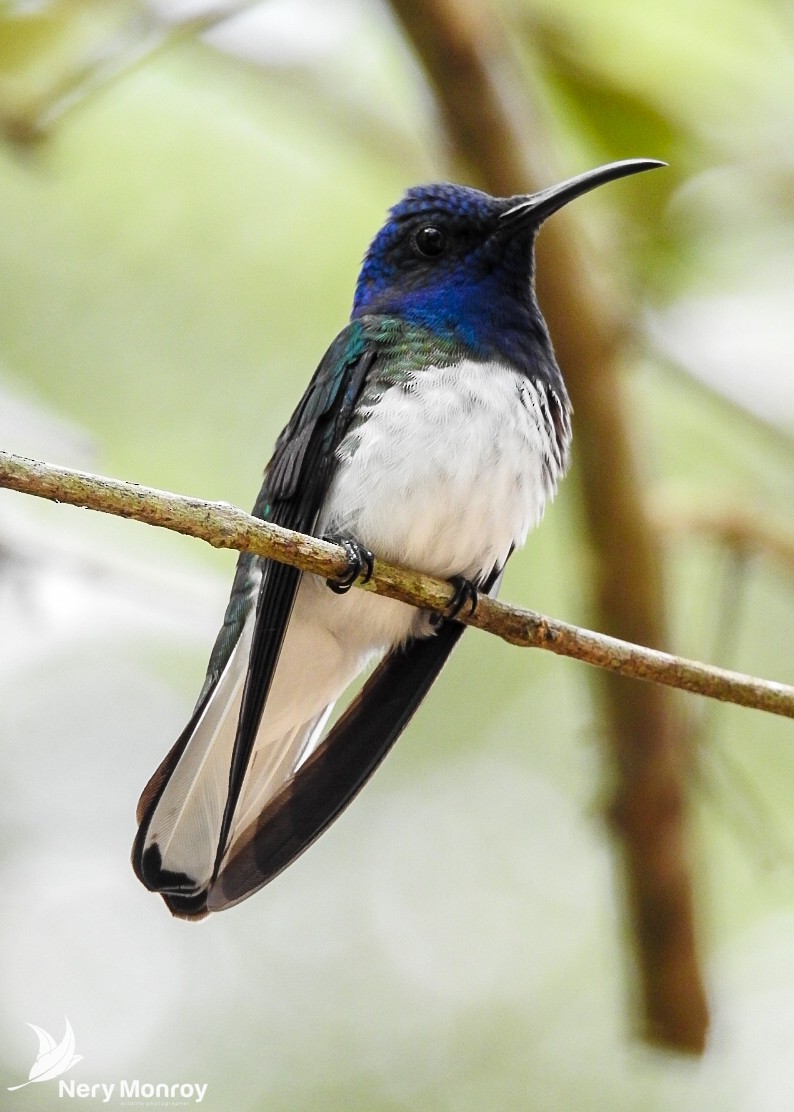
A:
[296,481]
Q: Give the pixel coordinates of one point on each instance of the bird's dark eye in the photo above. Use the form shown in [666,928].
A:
[430,241]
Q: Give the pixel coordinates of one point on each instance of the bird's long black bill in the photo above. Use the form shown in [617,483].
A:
[537,207]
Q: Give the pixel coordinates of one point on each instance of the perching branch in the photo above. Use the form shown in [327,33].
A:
[224,526]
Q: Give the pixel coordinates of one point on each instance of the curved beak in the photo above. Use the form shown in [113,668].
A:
[536,207]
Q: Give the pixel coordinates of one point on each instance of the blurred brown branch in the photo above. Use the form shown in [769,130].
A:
[738,527]
[498,142]
[225,526]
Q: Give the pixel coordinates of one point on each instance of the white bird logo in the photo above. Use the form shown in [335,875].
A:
[53,1058]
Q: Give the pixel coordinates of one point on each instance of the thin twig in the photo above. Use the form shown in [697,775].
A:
[225,526]
[741,528]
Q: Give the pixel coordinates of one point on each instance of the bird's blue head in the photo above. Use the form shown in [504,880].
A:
[460,263]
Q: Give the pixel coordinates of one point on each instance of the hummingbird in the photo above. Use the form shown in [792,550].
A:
[433,433]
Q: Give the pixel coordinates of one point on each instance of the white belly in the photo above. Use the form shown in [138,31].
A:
[449,472]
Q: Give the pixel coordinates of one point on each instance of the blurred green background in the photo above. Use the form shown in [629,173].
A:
[181,223]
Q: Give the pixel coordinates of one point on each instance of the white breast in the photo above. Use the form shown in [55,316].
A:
[450,469]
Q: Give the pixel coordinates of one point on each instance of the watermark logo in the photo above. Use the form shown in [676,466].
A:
[53,1058]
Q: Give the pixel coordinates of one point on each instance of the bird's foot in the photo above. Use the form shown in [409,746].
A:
[359,559]
[465,595]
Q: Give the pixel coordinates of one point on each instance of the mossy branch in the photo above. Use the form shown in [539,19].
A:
[225,526]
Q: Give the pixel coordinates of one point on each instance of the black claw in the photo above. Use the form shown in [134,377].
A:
[360,562]
[465,595]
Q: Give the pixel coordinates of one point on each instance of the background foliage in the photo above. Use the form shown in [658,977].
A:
[178,247]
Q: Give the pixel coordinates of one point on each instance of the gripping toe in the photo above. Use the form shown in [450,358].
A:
[465,595]
[360,562]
